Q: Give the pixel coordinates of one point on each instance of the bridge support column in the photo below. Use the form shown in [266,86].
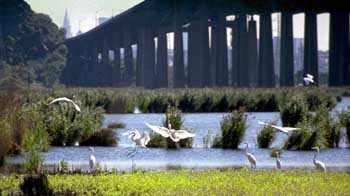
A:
[179,67]
[194,67]
[129,65]
[148,58]
[266,68]
[106,66]
[139,64]
[207,71]
[162,60]
[243,66]
[310,48]
[339,49]
[252,58]
[286,62]
[116,66]
[235,52]
[220,50]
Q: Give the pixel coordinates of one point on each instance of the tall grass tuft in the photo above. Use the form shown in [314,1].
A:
[344,118]
[292,109]
[233,128]
[266,136]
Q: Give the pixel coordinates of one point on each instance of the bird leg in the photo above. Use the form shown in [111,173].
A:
[132,153]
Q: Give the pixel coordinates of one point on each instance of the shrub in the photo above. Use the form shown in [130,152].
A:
[6,139]
[103,137]
[266,137]
[292,110]
[36,185]
[233,127]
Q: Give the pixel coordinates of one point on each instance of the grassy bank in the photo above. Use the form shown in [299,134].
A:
[228,182]
[124,100]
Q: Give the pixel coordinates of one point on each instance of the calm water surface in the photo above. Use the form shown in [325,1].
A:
[205,125]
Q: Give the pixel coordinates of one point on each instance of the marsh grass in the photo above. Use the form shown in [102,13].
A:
[292,110]
[344,117]
[124,100]
[103,137]
[233,127]
[266,136]
[193,183]
[116,125]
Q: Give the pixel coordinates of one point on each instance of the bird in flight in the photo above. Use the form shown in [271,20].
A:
[65,99]
[286,130]
[175,135]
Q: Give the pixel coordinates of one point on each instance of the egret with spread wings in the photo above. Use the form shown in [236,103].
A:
[65,99]
[175,135]
[285,130]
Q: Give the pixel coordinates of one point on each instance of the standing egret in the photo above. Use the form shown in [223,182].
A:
[175,135]
[92,161]
[285,130]
[278,162]
[66,100]
[309,79]
[250,157]
[319,164]
[140,141]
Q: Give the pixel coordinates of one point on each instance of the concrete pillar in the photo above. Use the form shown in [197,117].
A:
[252,53]
[116,66]
[243,66]
[105,68]
[310,46]
[95,65]
[235,52]
[139,56]
[129,64]
[179,67]
[266,68]
[207,71]
[162,60]
[194,78]
[148,58]
[286,62]
[219,33]
[339,49]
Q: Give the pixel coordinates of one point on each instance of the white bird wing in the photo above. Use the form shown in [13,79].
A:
[145,139]
[67,100]
[182,134]
[160,130]
[310,76]
[288,129]
[264,123]
[251,158]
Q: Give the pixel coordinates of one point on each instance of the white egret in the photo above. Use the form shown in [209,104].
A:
[250,157]
[309,79]
[285,130]
[278,162]
[66,100]
[319,164]
[175,135]
[140,141]
[92,160]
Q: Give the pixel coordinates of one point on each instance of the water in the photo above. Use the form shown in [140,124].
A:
[199,157]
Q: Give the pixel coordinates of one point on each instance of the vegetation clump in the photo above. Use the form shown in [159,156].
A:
[344,117]
[266,136]
[233,128]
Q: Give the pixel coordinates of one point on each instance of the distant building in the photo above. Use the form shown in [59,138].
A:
[67,25]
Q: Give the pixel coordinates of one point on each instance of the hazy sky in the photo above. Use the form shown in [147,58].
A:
[85,12]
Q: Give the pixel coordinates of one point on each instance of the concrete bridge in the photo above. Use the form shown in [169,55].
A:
[94,58]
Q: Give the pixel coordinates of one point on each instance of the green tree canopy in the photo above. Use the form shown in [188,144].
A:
[33,48]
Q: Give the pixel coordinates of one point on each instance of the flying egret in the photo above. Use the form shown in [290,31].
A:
[250,157]
[319,164]
[309,79]
[285,130]
[175,135]
[92,160]
[66,100]
[140,141]
[278,162]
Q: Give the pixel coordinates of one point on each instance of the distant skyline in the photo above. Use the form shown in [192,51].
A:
[86,11]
